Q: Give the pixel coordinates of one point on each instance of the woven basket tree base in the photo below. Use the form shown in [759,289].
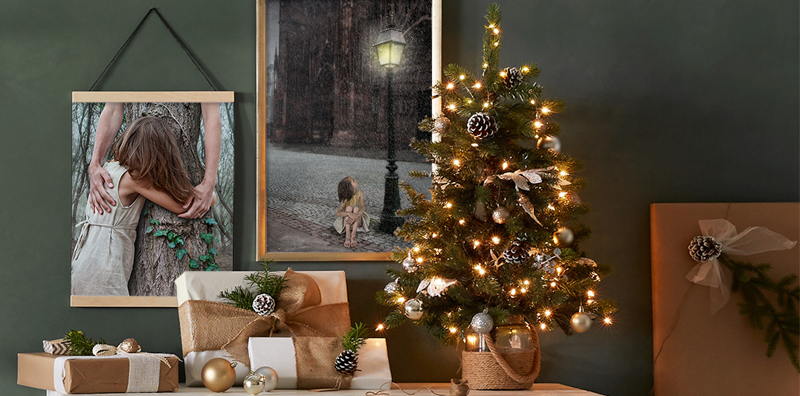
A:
[483,371]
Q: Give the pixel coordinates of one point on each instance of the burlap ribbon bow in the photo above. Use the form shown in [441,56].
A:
[207,325]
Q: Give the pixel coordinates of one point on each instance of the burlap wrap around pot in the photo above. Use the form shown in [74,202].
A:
[207,325]
[502,368]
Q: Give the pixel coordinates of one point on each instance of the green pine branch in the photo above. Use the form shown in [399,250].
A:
[354,338]
[781,319]
[79,344]
[262,281]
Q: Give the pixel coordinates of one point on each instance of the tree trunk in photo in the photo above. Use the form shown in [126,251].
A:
[156,265]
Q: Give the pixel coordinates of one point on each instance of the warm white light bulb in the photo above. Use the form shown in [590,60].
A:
[450,86]
[456,162]
[380,327]
[476,243]
[590,293]
[451,107]
[505,165]
[485,105]
[453,330]
[553,284]
[462,77]
[448,205]
[495,240]
[461,222]
[537,124]
[607,320]
[401,300]
[543,326]
[496,31]
[547,313]
[525,69]
[545,110]
[564,173]
[485,65]
[477,85]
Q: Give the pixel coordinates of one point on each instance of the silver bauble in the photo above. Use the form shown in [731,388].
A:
[549,143]
[580,322]
[391,287]
[270,377]
[253,384]
[482,323]
[409,264]
[441,124]
[563,236]
[413,309]
[500,215]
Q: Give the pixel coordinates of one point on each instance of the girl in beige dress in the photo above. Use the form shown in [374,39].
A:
[145,165]
[351,214]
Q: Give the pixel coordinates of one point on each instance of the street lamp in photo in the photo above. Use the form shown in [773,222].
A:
[390,45]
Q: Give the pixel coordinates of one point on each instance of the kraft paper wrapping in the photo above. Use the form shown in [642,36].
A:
[720,354]
[207,325]
[106,375]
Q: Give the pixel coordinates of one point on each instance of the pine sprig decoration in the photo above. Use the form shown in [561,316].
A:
[242,297]
[782,320]
[79,344]
[355,338]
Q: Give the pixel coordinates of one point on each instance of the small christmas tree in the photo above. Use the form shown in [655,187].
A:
[500,231]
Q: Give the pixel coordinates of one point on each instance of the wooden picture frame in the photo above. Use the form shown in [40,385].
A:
[265,79]
[88,108]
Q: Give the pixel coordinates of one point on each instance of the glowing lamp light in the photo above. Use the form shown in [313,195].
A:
[448,205]
[495,240]
[485,104]
[503,74]
[496,43]
[380,327]
[526,282]
[523,290]
[451,107]
[434,235]
[485,65]
[476,243]
[416,249]
[543,326]
[562,195]
[390,45]
[513,292]
[469,101]
[491,26]
[480,270]
[474,144]
[462,77]
[545,110]
[401,300]
[477,85]
[553,284]
[547,313]
[559,269]
[450,85]
[590,293]
[607,320]
[461,222]
[420,260]
[564,173]
[533,102]
[505,165]
[537,124]
[453,330]
[496,31]
[526,69]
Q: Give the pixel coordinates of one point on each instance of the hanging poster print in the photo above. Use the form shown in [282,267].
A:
[334,117]
[152,193]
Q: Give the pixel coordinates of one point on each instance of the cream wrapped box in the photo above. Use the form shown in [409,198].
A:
[314,304]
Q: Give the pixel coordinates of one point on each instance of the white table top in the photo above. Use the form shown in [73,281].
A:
[542,389]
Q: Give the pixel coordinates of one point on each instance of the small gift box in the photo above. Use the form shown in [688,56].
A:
[56,347]
[308,362]
[313,303]
[98,374]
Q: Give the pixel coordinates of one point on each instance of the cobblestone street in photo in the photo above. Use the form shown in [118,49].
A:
[302,200]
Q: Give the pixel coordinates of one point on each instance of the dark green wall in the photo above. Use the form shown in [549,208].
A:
[680,101]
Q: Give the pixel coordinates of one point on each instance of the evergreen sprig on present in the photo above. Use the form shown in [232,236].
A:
[263,282]
[782,320]
[453,234]
[79,344]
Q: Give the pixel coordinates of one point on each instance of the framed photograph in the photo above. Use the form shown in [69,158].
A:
[152,193]
[342,87]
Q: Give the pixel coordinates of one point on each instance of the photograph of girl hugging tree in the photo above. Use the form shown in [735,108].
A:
[156,202]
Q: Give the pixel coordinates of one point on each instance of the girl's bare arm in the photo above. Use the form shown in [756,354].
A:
[158,197]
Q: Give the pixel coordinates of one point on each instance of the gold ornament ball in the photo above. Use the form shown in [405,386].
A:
[500,215]
[218,375]
[441,124]
[129,345]
[563,236]
[549,143]
[580,322]
[270,377]
[253,384]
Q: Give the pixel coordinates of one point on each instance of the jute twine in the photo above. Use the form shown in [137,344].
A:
[502,368]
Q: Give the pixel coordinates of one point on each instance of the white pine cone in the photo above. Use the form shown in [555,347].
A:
[516,253]
[704,248]
[512,77]
[346,362]
[264,304]
[481,125]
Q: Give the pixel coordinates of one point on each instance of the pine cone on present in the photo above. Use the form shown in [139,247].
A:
[704,248]
[346,362]
[516,253]
[511,77]
[481,125]
[264,304]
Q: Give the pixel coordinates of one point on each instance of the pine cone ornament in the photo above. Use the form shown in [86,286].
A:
[516,253]
[481,125]
[704,248]
[264,304]
[511,77]
[346,362]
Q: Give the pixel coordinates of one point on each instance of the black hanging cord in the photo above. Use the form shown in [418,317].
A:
[174,35]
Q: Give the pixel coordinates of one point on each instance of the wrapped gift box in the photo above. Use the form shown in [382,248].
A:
[207,285]
[281,355]
[97,374]
[720,354]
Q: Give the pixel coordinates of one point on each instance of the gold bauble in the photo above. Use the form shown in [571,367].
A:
[580,322]
[218,375]
[441,124]
[129,345]
[563,236]
[253,384]
[500,215]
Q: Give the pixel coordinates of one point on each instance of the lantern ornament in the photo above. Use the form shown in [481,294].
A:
[390,44]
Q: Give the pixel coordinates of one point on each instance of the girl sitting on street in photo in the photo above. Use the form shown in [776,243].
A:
[351,214]
[146,164]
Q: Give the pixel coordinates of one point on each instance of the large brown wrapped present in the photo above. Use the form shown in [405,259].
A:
[97,374]
[714,354]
